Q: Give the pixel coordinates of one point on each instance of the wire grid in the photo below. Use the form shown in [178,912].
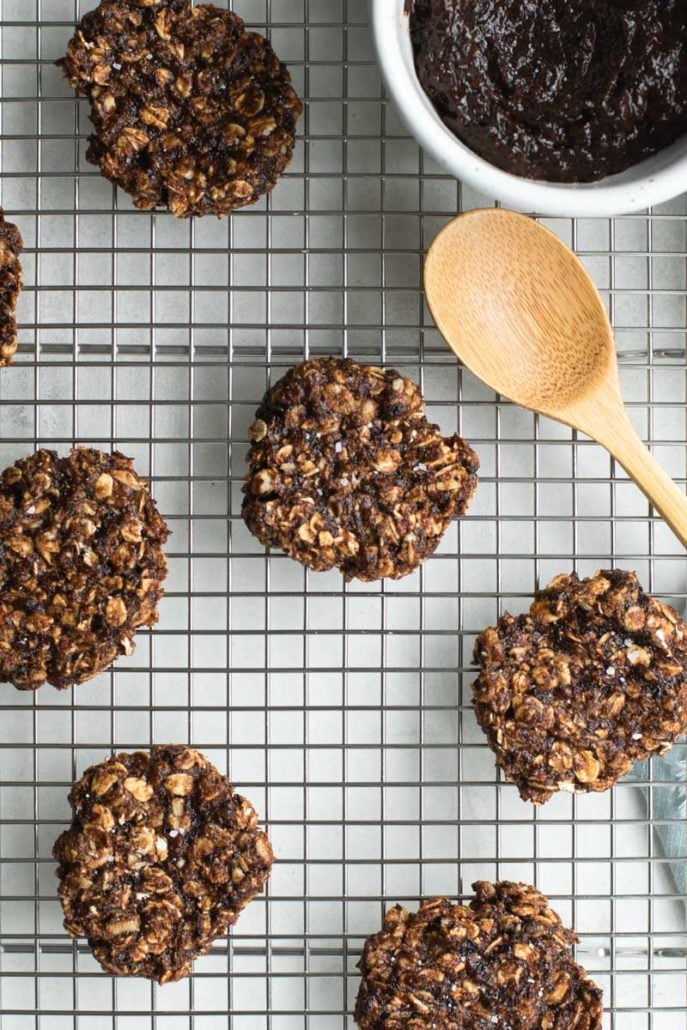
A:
[342,711]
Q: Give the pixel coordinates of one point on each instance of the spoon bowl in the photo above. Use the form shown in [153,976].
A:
[489,277]
[521,312]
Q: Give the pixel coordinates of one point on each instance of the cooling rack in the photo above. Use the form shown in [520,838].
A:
[342,711]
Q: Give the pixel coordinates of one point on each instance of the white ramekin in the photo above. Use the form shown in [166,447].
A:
[651,182]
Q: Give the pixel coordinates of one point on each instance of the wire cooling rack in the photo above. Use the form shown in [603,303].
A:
[342,712]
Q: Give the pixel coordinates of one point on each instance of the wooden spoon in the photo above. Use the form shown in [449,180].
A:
[521,312]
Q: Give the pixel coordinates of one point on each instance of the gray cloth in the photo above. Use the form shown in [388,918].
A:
[668,807]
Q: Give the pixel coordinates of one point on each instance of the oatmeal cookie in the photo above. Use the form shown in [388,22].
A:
[81,565]
[346,472]
[11,246]
[191,111]
[505,960]
[593,679]
[160,858]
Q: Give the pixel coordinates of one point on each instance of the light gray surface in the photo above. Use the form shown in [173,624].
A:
[345,715]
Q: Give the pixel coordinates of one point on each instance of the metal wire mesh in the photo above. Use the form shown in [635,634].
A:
[342,712]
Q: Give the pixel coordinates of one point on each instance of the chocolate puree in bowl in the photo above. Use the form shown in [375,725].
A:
[563,90]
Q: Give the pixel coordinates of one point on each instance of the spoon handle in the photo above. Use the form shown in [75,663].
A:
[618,436]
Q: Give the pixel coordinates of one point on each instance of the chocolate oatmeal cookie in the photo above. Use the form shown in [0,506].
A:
[191,111]
[160,858]
[346,472]
[593,679]
[81,565]
[11,246]
[505,960]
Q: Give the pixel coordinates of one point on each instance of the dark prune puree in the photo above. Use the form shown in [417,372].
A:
[562,90]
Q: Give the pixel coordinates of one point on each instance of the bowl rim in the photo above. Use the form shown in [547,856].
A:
[664,177]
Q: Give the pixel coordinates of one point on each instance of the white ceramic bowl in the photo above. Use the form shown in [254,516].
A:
[653,181]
